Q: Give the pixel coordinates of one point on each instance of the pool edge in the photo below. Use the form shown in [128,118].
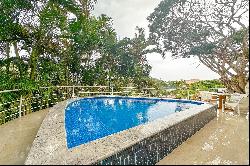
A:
[53,148]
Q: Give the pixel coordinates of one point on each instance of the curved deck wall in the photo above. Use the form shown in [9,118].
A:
[154,148]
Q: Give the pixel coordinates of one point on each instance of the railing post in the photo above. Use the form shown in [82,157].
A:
[20,107]
[112,91]
[73,93]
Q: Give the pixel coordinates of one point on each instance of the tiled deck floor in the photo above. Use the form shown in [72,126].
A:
[222,141]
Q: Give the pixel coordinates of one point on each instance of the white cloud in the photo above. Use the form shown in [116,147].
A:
[177,69]
[126,15]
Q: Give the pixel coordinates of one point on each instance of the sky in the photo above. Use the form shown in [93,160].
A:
[126,15]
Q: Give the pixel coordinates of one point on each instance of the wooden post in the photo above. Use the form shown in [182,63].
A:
[223,105]
[20,107]
[222,99]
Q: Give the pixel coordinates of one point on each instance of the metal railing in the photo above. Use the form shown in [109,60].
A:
[17,103]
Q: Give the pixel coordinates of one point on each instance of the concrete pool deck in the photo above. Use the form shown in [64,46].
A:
[224,140]
[17,137]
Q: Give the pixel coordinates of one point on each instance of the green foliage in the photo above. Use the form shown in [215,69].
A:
[238,36]
[59,42]
[182,89]
[205,49]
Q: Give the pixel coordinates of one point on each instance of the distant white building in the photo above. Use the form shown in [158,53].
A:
[191,81]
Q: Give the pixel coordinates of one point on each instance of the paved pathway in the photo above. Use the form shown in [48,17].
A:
[17,137]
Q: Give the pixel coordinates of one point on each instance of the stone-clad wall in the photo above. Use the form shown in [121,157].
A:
[152,149]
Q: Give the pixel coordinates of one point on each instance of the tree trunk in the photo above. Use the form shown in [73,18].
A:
[242,81]
[67,74]
[236,84]
[85,7]
[33,63]
[19,59]
[8,56]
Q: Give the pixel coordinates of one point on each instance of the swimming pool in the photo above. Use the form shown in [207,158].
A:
[93,118]
[127,136]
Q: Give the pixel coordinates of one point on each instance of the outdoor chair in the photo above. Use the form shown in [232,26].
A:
[205,96]
[234,101]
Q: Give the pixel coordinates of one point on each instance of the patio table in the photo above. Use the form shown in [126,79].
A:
[222,98]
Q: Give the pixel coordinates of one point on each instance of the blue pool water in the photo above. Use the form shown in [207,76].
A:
[91,118]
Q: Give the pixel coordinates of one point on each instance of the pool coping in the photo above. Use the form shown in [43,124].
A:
[50,145]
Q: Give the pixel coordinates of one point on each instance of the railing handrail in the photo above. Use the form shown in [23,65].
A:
[75,86]
[68,86]
[14,90]
[78,86]
[131,87]
[45,87]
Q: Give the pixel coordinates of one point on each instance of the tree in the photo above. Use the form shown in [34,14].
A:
[11,31]
[59,42]
[214,31]
[126,59]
